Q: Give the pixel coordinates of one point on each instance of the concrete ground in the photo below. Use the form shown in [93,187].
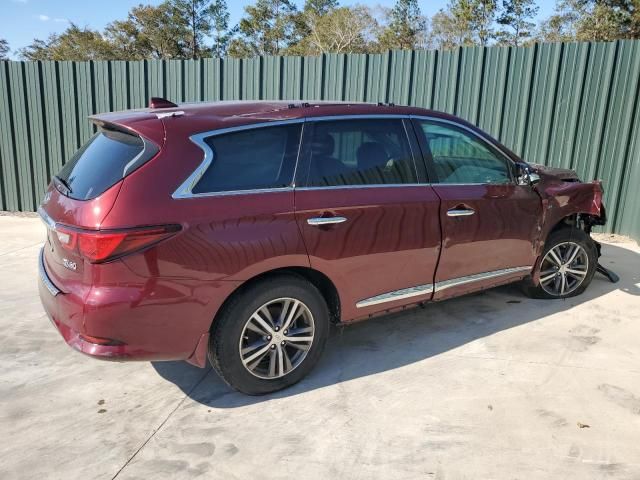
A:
[493,385]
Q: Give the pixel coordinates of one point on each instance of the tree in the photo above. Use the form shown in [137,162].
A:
[341,30]
[445,32]
[222,34]
[268,28]
[588,20]
[75,43]
[319,7]
[517,16]
[475,18]
[4,49]
[195,15]
[149,32]
[406,27]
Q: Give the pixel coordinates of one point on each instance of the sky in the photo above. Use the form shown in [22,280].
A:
[24,20]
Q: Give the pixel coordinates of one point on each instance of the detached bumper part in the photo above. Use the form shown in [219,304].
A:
[613,278]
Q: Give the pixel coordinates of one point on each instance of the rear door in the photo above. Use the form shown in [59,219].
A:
[489,223]
[368,219]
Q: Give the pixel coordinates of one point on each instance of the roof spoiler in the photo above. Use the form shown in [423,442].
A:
[159,102]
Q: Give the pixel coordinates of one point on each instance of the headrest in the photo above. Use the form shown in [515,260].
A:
[322,145]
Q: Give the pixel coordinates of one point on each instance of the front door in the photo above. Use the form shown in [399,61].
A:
[489,223]
[368,219]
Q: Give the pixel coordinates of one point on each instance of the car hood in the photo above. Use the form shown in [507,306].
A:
[564,174]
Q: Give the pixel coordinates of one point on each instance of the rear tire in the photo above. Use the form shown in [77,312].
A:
[569,262]
[270,336]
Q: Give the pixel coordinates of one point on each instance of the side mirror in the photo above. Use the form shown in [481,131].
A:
[525,176]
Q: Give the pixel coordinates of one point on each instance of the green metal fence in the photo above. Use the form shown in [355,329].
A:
[572,105]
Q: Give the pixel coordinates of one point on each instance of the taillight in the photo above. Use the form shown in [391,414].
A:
[103,245]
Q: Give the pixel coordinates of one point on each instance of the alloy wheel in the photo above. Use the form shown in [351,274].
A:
[276,338]
[563,269]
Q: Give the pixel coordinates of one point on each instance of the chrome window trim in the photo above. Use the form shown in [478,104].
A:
[186,187]
[438,286]
[373,185]
[396,295]
[476,277]
[53,290]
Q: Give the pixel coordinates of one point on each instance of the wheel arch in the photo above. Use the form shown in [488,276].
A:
[323,283]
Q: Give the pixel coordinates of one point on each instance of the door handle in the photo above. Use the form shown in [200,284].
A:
[460,212]
[320,221]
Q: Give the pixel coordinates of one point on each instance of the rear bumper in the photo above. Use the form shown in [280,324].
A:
[149,322]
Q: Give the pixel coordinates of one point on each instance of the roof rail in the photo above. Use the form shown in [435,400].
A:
[159,102]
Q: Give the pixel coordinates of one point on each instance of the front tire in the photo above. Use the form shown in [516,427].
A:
[569,262]
[269,336]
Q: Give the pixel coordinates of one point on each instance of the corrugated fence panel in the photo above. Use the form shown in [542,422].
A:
[617,130]
[543,102]
[422,79]
[470,83]
[494,82]
[572,105]
[10,183]
[567,104]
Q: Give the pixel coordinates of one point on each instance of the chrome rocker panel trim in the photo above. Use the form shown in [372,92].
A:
[476,277]
[396,295]
[439,286]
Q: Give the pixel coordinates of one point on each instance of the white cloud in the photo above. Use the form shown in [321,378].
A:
[19,1]
[44,18]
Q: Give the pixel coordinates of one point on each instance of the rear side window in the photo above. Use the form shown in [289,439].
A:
[105,159]
[251,159]
[360,152]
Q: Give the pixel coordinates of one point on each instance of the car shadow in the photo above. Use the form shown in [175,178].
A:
[393,341]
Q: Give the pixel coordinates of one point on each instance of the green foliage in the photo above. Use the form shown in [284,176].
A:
[517,21]
[406,27]
[319,7]
[221,32]
[75,43]
[195,16]
[268,28]
[445,32]
[148,32]
[201,28]
[4,49]
[465,23]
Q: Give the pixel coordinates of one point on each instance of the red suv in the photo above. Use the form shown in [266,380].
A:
[239,231]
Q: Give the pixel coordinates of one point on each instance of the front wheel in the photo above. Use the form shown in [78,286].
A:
[270,336]
[569,262]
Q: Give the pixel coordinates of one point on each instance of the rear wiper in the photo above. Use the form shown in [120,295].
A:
[61,184]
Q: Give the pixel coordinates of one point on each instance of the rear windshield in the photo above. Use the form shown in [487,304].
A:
[105,159]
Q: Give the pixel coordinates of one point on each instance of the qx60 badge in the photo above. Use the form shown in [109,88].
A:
[69,264]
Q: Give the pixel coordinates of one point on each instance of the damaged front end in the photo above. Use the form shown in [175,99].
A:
[567,201]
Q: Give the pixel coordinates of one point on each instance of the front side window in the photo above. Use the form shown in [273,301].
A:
[251,159]
[459,157]
[360,152]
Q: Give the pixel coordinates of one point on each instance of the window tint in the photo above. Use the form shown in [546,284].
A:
[106,158]
[360,152]
[251,159]
[459,157]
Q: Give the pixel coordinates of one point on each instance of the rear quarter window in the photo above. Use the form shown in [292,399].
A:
[253,159]
[105,159]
